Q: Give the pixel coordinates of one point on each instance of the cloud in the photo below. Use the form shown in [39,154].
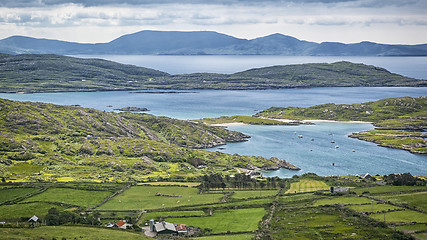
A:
[247,17]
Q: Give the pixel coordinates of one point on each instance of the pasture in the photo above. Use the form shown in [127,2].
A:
[222,221]
[242,194]
[69,232]
[157,215]
[83,198]
[227,237]
[26,210]
[375,207]
[388,189]
[407,216]
[12,193]
[418,199]
[144,197]
[342,200]
[307,185]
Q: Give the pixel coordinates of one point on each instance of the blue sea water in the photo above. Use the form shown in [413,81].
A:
[351,157]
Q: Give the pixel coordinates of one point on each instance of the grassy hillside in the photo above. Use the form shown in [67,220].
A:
[46,142]
[51,73]
[392,114]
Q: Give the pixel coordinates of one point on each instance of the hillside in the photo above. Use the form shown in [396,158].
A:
[206,42]
[52,73]
[41,142]
[400,121]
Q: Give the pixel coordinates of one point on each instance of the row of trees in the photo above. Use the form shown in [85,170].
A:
[239,181]
[55,217]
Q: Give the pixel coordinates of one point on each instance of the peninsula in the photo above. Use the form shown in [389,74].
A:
[31,73]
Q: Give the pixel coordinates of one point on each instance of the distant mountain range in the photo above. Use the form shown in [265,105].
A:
[206,43]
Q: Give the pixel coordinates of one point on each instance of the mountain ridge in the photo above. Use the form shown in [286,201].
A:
[151,42]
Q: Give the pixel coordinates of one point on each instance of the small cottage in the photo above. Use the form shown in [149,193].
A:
[122,224]
[33,219]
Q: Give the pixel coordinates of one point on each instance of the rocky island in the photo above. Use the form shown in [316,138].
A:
[132,109]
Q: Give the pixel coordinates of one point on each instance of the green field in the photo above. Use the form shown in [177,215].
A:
[413,227]
[26,210]
[68,232]
[235,204]
[296,198]
[227,237]
[375,207]
[342,200]
[12,193]
[239,220]
[407,216]
[253,194]
[388,189]
[307,185]
[188,184]
[144,197]
[418,199]
[155,215]
[323,223]
[84,198]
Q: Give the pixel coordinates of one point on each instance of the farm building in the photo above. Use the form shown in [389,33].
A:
[165,228]
[339,189]
[33,219]
[122,224]
[181,229]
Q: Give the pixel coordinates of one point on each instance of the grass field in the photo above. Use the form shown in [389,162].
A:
[227,237]
[26,210]
[252,194]
[322,223]
[226,220]
[418,199]
[144,197]
[12,193]
[68,232]
[407,216]
[261,201]
[155,215]
[413,227]
[188,184]
[307,185]
[373,207]
[342,200]
[77,197]
[386,189]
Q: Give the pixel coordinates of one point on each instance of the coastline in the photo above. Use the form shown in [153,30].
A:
[228,124]
[317,121]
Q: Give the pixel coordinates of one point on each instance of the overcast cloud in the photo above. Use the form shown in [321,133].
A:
[382,21]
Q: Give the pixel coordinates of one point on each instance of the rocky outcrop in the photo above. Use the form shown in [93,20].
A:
[132,109]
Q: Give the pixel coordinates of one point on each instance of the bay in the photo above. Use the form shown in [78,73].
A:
[281,141]
[311,156]
[315,153]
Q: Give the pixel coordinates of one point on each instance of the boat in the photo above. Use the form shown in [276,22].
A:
[332,141]
[300,136]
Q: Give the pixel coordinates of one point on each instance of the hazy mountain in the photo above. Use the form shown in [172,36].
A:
[206,42]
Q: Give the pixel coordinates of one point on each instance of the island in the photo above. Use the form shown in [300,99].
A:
[132,109]
[32,73]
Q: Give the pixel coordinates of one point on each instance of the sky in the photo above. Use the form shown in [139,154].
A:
[91,21]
